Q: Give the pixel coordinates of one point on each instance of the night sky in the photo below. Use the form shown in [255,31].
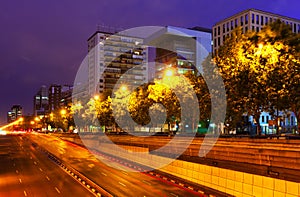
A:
[44,42]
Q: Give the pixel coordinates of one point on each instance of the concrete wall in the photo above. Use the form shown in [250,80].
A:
[225,180]
[228,181]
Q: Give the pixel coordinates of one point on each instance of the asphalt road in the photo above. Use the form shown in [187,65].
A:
[114,177]
[26,171]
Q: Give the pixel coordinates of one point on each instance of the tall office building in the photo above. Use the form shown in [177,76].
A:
[41,102]
[180,48]
[54,93]
[15,113]
[250,19]
[110,57]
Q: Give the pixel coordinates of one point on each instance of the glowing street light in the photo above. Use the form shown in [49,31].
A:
[169,73]
[63,112]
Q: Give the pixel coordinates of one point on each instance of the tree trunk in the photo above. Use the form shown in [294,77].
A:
[297,114]
[258,128]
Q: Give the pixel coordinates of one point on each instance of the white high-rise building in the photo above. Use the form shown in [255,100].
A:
[110,56]
[251,19]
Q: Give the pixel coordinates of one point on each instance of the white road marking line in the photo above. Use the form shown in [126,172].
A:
[41,169]
[122,184]
[47,178]
[57,190]
[124,172]
[174,195]
[103,174]
[34,163]
[25,194]
[146,182]
[20,180]
[17,171]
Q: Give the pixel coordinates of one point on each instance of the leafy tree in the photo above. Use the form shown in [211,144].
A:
[261,70]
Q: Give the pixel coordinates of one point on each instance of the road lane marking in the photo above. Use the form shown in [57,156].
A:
[34,163]
[25,194]
[47,178]
[122,184]
[174,195]
[124,172]
[41,169]
[57,190]
[146,182]
[103,173]
[20,180]
[17,171]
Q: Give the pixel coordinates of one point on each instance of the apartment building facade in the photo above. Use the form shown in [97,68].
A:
[251,19]
[110,56]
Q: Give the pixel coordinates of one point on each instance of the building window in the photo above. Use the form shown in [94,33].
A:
[246,29]
[263,119]
[223,28]
[257,29]
[257,19]
[223,38]
[295,27]
[298,28]
[227,26]
[236,23]
[267,20]
[219,42]
[267,117]
[218,30]
[253,17]
[215,31]
[231,25]
[253,28]
[271,20]
[292,120]
[242,20]
[246,19]
[262,20]
[215,42]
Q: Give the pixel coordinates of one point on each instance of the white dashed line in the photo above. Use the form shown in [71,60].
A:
[34,163]
[146,182]
[174,195]
[57,190]
[103,174]
[124,172]
[47,178]
[41,169]
[20,180]
[17,171]
[25,194]
[122,184]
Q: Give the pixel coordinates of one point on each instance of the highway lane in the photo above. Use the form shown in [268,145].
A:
[115,177]
[26,171]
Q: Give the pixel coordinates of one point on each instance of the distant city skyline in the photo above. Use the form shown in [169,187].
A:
[44,43]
